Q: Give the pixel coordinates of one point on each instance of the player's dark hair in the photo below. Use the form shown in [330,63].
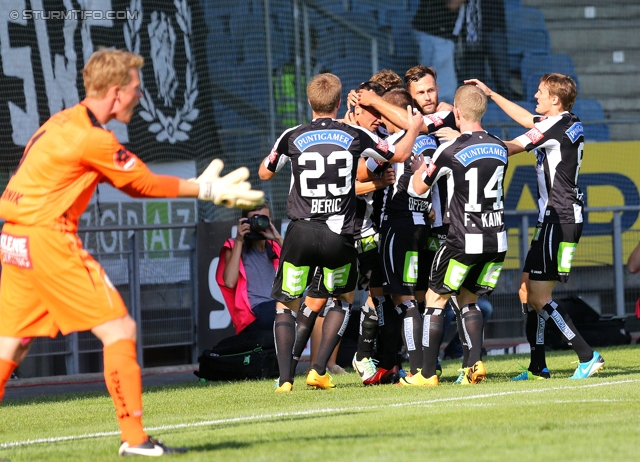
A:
[563,87]
[417,72]
[387,78]
[371,86]
[398,97]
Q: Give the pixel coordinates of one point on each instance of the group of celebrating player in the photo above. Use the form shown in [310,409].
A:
[428,230]
[441,229]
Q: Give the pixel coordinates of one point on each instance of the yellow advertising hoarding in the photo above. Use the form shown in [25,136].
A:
[609,177]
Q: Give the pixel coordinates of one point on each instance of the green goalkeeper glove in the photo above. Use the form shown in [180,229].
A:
[231,190]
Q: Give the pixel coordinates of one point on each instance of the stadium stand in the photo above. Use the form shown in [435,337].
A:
[590,111]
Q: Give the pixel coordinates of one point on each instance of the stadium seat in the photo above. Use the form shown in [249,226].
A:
[352,72]
[589,111]
[254,44]
[523,41]
[222,49]
[403,45]
[523,17]
[533,63]
[494,120]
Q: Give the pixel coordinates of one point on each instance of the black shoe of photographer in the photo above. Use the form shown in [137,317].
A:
[150,448]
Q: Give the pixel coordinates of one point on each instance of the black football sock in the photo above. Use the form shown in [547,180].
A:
[534,328]
[411,333]
[563,323]
[472,325]
[461,336]
[368,332]
[335,323]
[463,341]
[433,331]
[284,330]
[422,306]
[305,321]
[389,341]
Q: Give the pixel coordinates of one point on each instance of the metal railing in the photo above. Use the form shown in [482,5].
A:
[160,288]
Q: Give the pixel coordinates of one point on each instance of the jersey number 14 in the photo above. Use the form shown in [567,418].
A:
[493,189]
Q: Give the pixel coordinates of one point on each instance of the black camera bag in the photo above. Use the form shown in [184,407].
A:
[240,357]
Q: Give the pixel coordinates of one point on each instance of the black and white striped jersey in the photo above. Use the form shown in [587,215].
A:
[324,158]
[438,120]
[475,165]
[368,205]
[558,142]
[400,201]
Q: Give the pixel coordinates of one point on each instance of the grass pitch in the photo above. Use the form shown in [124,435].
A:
[558,419]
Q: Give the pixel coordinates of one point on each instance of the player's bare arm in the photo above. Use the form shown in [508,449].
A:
[447,134]
[413,120]
[387,179]
[396,115]
[419,186]
[442,106]
[517,113]
[513,147]
[263,172]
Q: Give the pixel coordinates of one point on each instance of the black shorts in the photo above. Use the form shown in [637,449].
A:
[369,271]
[453,269]
[310,249]
[551,253]
[405,260]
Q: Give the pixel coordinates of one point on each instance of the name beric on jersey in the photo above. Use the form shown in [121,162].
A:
[325,205]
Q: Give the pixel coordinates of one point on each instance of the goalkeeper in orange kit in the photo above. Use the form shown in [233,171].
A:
[50,284]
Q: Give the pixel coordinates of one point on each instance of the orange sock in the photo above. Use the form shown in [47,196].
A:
[124,382]
[6,368]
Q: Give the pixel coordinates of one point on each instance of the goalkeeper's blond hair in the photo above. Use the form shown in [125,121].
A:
[107,68]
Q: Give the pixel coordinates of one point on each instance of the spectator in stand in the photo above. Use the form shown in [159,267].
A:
[433,26]
[482,30]
[246,271]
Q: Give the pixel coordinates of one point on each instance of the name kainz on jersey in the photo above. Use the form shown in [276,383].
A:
[491,219]
[418,205]
[325,205]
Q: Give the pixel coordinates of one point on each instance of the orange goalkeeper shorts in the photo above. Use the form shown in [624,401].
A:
[50,284]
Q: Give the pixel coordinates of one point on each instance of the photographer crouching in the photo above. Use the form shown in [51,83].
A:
[246,271]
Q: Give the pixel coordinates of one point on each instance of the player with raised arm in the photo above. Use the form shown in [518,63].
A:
[470,260]
[556,137]
[324,158]
[421,84]
[50,284]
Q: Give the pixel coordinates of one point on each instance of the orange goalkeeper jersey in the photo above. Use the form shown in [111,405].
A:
[62,165]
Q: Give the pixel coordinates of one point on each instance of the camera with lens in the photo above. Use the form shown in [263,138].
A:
[257,224]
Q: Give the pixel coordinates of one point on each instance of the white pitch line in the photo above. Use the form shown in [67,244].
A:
[307,412]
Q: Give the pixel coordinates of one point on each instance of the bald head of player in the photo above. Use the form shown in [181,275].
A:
[112,84]
[469,106]
[323,94]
